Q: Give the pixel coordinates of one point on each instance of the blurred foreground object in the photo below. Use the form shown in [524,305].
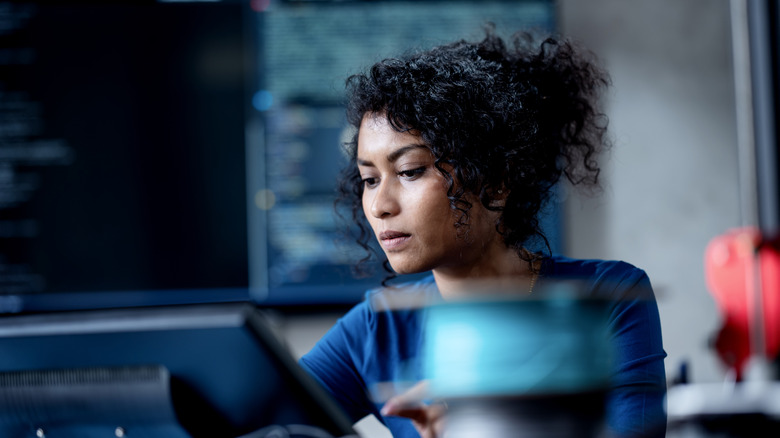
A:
[722,410]
[743,275]
[537,366]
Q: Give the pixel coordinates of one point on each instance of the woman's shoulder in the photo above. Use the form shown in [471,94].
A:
[559,265]
[608,277]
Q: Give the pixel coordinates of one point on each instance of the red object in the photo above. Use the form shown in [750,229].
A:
[733,264]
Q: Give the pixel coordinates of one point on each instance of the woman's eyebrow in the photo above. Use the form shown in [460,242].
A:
[398,153]
[392,157]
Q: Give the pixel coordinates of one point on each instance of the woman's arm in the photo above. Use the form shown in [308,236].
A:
[335,361]
[635,403]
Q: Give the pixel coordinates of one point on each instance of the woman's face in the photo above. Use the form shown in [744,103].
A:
[405,201]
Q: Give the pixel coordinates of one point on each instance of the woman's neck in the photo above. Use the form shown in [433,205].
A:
[502,272]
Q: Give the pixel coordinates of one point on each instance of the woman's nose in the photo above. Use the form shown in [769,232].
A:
[384,202]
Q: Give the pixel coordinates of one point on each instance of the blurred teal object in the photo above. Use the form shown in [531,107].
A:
[517,347]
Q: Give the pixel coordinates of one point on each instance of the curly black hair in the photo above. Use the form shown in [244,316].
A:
[508,118]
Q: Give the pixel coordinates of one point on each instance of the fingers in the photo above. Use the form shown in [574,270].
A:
[427,419]
[418,415]
[410,399]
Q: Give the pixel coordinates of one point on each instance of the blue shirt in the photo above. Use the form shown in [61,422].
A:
[377,342]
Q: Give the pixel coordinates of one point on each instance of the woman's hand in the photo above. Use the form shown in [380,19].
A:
[427,419]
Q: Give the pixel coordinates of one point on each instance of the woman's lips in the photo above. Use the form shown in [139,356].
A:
[393,240]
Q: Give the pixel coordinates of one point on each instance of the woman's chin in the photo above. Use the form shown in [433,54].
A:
[405,267]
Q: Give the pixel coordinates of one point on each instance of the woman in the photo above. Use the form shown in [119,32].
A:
[457,149]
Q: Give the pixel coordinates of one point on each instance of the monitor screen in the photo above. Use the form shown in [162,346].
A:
[308,51]
[212,371]
[122,150]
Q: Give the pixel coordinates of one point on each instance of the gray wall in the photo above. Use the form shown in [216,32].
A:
[671,180]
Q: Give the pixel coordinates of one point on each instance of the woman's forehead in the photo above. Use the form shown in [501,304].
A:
[377,136]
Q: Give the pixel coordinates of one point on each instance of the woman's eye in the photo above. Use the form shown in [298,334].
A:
[412,173]
[369,181]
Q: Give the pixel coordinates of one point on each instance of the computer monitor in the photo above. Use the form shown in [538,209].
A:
[172,151]
[215,370]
